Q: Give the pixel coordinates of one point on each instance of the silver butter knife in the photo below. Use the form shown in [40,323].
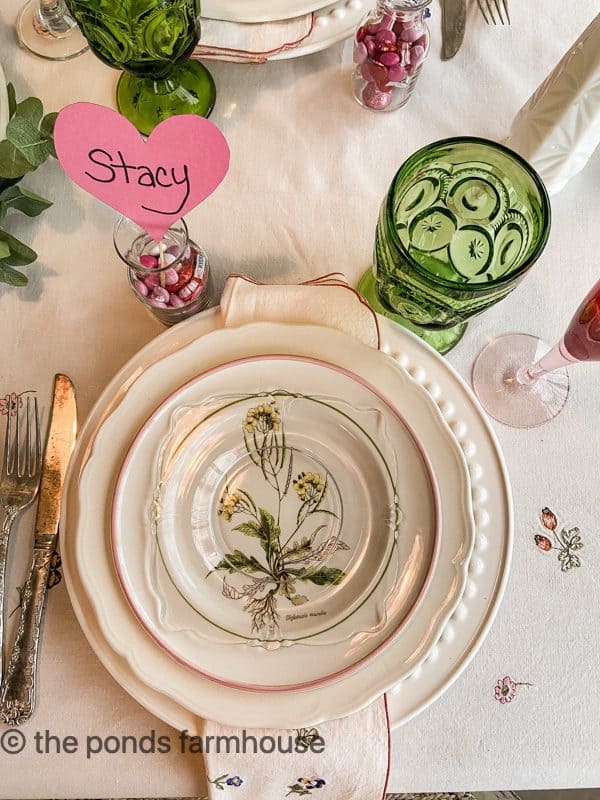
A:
[18,692]
[454,20]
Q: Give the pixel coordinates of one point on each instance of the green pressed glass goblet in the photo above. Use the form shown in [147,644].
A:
[463,221]
[151,40]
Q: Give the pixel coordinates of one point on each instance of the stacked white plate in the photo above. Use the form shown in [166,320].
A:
[269,512]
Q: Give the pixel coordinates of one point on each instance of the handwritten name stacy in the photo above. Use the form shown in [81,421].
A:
[107,169]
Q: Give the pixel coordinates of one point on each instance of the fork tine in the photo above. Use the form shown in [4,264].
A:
[6,459]
[505,4]
[29,464]
[491,11]
[499,10]
[17,465]
[482,9]
[27,437]
[38,443]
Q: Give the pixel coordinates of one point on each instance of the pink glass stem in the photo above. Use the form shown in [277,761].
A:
[554,359]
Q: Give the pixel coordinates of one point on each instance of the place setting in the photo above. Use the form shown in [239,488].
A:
[288,513]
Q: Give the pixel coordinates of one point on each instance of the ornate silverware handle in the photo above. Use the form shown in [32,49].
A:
[4,537]
[18,694]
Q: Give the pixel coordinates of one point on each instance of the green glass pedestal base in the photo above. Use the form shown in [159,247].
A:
[443,340]
[145,102]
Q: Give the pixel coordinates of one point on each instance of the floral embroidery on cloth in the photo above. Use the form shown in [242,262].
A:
[567,542]
[305,786]
[505,689]
[306,736]
[11,402]
[224,781]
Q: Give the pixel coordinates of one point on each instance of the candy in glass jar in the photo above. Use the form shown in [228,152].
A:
[171,277]
[390,47]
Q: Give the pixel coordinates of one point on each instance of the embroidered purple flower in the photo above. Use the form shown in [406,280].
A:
[505,690]
[9,404]
[224,780]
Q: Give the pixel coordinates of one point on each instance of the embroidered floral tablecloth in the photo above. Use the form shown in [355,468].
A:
[309,170]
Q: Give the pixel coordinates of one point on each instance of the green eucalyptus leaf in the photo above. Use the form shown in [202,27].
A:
[47,130]
[20,254]
[12,100]
[47,124]
[22,200]
[12,276]
[26,138]
[4,250]
[31,110]
[6,182]
[12,163]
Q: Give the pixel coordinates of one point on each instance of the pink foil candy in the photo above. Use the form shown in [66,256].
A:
[375,99]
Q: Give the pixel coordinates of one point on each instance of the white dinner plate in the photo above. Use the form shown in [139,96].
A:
[343,485]
[493,514]
[281,710]
[259,10]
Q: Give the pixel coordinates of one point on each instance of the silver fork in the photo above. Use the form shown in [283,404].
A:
[19,483]
[487,9]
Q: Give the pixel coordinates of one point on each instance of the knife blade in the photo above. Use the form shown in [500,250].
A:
[18,693]
[454,20]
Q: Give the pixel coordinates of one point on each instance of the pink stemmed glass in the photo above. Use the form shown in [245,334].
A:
[522,383]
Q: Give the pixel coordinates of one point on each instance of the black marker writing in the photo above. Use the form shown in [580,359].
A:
[163,178]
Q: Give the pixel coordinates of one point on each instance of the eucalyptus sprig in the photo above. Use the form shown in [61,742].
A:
[28,143]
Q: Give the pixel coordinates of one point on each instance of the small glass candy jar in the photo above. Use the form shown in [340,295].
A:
[390,47]
[171,277]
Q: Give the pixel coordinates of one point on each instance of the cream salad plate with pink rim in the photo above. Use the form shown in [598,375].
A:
[277,520]
[152,665]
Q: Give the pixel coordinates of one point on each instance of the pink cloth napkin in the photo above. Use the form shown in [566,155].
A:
[254,43]
[349,757]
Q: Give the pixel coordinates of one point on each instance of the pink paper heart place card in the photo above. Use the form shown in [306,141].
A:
[153,183]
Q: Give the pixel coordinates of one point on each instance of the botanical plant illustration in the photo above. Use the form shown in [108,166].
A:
[290,557]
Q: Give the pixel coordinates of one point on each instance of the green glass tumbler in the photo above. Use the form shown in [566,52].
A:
[152,41]
[463,221]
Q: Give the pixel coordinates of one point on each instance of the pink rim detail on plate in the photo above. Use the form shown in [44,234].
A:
[139,612]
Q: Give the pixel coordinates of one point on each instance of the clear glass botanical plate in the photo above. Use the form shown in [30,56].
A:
[275,517]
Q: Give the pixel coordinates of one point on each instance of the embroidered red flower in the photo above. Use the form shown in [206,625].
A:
[543,542]
[549,520]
